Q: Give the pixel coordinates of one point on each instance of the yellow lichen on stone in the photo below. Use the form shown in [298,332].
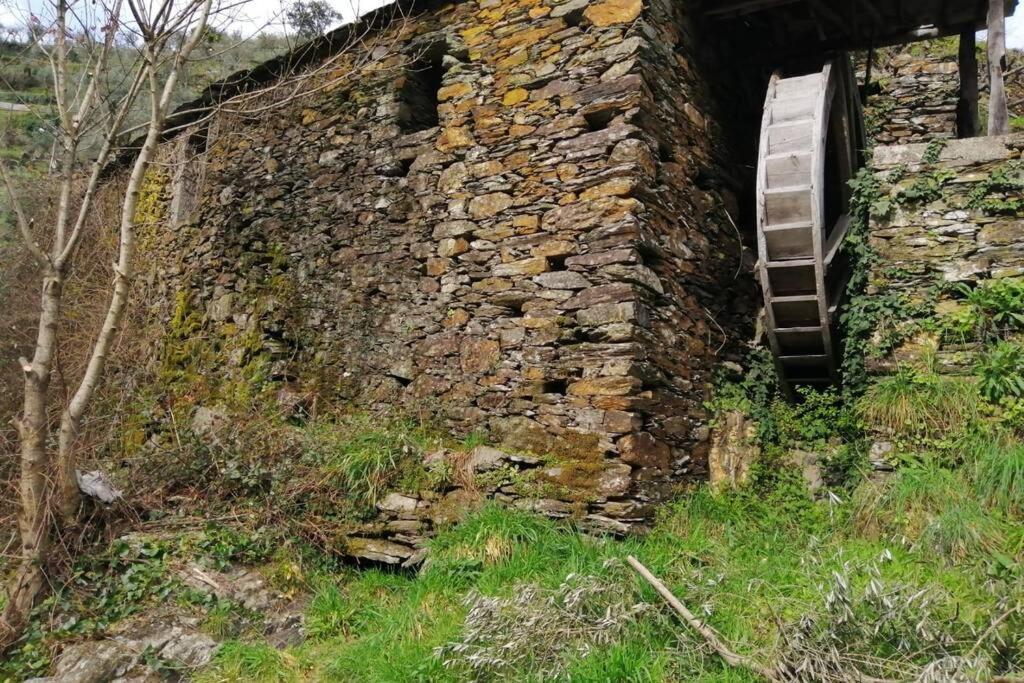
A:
[613,12]
[493,15]
[452,91]
[514,97]
[520,131]
[513,60]
[454,137]
[616,187]
[528,37]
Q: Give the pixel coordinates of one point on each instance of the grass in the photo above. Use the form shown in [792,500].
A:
[942,547]
[364,456]
[906,502]
[913,402]
[909,569]
[960,532]
[739,559]
[237,661]
[999,476]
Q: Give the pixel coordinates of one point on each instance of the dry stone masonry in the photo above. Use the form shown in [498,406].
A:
[950,214]
[917,97]
[515,215]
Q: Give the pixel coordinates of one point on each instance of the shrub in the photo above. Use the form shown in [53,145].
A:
[861,611]
[814,419]
[1001,372]
[535,629]
[999,304]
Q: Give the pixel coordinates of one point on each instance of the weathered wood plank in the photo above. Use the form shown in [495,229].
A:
[787,170]
[787,206]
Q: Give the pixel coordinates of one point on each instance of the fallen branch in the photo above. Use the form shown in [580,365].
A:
[991,629]
[713,639]
[708,633]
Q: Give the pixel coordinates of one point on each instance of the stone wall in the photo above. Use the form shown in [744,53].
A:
[946,217]
[509,214]
[918,90]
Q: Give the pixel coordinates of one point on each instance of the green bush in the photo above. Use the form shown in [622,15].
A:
[998,304]
[1000,372]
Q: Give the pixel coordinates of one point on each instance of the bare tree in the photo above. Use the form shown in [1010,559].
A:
[48,488]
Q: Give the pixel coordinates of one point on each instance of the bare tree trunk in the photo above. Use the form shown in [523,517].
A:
[33,431]
[41,492]
[998,111]
[967,106]
[69,495]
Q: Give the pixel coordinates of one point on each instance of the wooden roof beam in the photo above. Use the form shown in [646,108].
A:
[869,8]
[736,8]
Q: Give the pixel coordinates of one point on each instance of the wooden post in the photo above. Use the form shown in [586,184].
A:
[998,112]
[967,106]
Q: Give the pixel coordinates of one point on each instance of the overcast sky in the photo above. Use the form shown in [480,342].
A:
[260,15]
[260,12]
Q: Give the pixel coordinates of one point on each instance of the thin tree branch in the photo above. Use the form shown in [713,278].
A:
[24,224]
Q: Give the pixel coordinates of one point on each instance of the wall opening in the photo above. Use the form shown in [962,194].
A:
[601,119]
[417,96]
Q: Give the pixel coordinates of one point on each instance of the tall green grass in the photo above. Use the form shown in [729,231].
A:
[917,403]
[999,475]
[741,560]
[364,455]
[236,661]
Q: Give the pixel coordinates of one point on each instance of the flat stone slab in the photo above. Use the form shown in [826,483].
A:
[964,152]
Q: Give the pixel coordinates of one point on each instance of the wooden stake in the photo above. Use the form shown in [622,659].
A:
[967,106]
[998,112]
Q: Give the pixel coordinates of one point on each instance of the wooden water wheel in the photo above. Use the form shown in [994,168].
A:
[811,135]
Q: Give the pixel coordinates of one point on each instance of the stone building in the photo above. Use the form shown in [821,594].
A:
[516,215]
[916,99]
[530,217]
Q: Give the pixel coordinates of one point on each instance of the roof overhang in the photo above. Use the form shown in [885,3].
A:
[810,26]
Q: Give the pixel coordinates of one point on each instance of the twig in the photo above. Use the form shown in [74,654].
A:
[739,241]
[709,634]
[992,627]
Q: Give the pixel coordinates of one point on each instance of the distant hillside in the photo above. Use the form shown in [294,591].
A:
[26,99]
